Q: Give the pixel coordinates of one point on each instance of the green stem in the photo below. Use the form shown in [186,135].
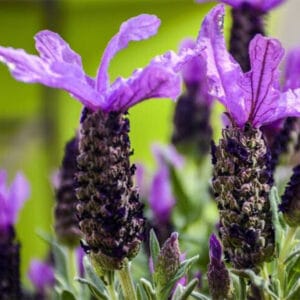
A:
[127,283]
[112,292]
[289,238]
[72,266]
[243,288]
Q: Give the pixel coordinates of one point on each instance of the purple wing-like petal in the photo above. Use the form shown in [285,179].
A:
[292,69]
[263,5]
[19,192]
[261,84]
[135,29]
[153,81]
[53,48]
[224,75]
[59,68]
[167,154]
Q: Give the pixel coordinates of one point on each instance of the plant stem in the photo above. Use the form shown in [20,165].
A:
[243,289]
[112,292]
[71,267]
[282,256]
[127,283]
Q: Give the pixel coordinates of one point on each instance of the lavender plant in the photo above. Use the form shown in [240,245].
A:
[97,198]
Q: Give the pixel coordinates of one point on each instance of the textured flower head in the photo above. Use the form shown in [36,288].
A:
[58,66]
[262,5]
[255,96]
[41,275]
[12,198]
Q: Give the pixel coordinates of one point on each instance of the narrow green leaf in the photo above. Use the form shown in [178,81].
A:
[182,199]
[151,295]
[187,290]
[182,271]
[140,292]
[94,290]
[154,247]
[294,293]
[199,296]
[67,295]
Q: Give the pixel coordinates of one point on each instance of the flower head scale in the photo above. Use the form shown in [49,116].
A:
[11,199]
[58,66]
[262,5]
[254,96]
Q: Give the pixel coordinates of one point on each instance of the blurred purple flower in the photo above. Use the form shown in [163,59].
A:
[161,198]
[58,66]
[262,5]
[41,275]
[254,96]
[12,198]
[292,69]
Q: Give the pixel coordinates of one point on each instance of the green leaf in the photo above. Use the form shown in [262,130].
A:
[154,247]
[182,199]
[140,292]
[199,296]
[94,290]
[294,293]
[92,276]
[182,271]
[274,201]
[187,290]
[67,295]
[148,288]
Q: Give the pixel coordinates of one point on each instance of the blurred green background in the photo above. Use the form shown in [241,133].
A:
[35,122]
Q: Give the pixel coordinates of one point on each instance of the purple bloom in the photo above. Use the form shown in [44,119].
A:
[12,198]
[292,69]
[161,198]
[41,275]
[215,249]
[79,258]
[59,66]
[262,5]
[254,96]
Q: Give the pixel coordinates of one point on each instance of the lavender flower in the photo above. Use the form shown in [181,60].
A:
[217,275]
[242,177]
[66,222]
[192,131]
[110,214]
[41,276]
[11,201]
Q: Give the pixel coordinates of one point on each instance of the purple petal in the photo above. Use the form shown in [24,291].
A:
[224,74]
[262,5]
[215,248]
[292,69]
[161,199]
[135,29]
[79,259]
[59,68]
[41,275]
[153,81]
[19,192]
[261,84]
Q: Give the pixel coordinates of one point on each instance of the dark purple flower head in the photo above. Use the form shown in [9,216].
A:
[11,199]
[215,248]
[41,275]
[262,5]
[58,66]
[255,96]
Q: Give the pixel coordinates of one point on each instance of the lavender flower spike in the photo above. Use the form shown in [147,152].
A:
[254,96]
[58,66]
[262,5]
[217,275]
